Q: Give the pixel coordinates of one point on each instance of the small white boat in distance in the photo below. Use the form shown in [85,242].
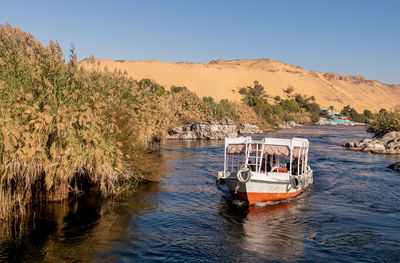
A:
[264,170]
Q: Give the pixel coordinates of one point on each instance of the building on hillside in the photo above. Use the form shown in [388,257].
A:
[330,112]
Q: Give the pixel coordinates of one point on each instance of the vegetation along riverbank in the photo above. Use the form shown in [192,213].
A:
[386,128]
[64,129]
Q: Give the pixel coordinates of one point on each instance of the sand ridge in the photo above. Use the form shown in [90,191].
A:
[222,79]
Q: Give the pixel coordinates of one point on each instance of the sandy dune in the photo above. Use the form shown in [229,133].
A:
[222,79]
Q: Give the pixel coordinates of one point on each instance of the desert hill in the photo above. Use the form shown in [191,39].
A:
[222,79]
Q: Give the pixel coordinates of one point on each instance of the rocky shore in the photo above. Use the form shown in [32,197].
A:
[388,144]
[288,125]
[248,128]
[212,130]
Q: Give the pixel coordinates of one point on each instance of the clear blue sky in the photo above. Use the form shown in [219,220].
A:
[351,37]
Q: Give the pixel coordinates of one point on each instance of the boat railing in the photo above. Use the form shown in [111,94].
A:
[257,153]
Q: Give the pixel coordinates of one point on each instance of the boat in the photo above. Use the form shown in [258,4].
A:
[271,169]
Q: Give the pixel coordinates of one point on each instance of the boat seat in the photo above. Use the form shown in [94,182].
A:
[279,170]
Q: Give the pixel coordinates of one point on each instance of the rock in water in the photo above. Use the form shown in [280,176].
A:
[288,125]
[388,144]
[395,166]
[209,130]
[248,128]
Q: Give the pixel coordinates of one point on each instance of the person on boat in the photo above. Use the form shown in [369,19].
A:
[267,161]
[269,167]
[295,165]
[251,166]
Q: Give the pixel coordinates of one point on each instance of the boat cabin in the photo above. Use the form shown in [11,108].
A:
[266,156]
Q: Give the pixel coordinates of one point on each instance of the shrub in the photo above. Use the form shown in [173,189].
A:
[243,91]
[385,123]
[290,105]
[175,89]
[289,90]
[368,114]
[315,111]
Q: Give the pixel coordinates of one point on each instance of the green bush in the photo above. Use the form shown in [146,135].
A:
[353,115]
[385,123]
[315,111]
[368,114]
[290,105]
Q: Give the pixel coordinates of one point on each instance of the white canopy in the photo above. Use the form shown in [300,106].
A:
[272,146]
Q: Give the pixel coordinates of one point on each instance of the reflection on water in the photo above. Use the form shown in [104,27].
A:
[273,231]
[351,213]
[75,230]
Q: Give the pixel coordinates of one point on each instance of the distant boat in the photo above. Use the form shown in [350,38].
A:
[264,170]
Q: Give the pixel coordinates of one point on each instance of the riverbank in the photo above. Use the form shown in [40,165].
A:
[388,144]
[212,130]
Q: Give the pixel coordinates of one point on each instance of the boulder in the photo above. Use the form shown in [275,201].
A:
[349,144]
[284,126]
[395,166]
[374,147]
[209,130]
[288,125]
[248,128]
[394,135]
[388,144]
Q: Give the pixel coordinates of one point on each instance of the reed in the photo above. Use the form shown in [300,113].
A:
[62,126]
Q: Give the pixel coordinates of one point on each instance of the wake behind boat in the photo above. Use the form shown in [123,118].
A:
[264,170]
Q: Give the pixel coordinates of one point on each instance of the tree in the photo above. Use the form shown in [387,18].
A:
[315,111]
[368,114]
[300,100]
[346,110]
[257,90]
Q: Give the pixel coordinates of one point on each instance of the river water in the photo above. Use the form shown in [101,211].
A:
[351,213]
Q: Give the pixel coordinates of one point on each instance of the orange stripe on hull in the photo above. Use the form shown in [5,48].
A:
[265,197]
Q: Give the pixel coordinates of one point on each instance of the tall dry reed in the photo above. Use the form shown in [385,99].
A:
[59,124]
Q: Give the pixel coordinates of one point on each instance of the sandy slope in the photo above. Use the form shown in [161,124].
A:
[222,79]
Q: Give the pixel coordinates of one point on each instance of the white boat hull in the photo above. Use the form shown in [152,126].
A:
[270,187]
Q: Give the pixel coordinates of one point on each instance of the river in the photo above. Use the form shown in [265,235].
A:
[351,213]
